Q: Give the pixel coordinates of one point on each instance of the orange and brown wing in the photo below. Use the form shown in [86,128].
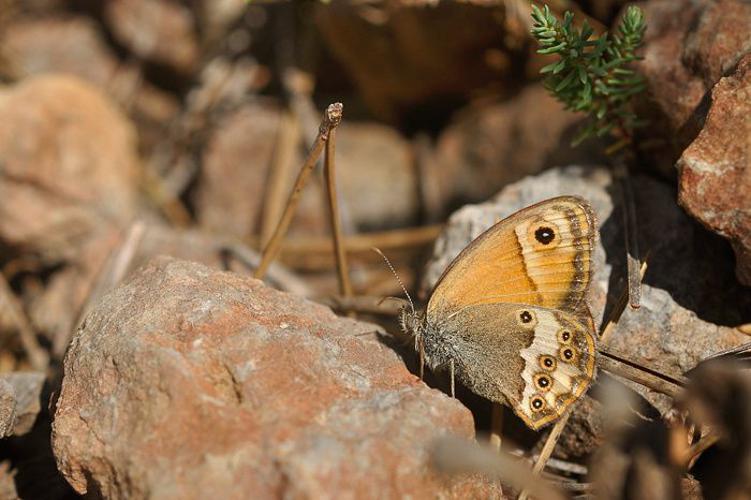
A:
[539,256]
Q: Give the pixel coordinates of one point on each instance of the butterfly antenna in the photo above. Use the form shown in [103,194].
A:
[393,271]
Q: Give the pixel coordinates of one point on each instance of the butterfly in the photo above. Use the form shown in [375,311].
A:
[510,314]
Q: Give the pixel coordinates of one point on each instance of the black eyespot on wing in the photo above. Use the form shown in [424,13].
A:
[547,363]
[543,382]
[565,336]
[544,234]
[568,355]
[537,403]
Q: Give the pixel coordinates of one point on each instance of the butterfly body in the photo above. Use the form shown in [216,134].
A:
[510,312]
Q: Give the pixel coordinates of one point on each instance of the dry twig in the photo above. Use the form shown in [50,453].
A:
[456,456]
[637,372]
[496,425]
[281,166]
[630,230]
[329,168]
[331,119]
[547,450]
[620,306]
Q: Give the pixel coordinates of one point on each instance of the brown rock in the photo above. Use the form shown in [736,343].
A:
[159,31]
[688,46]
[715,170]
[69,45]
[234,175]
[375,176]
[690,299]
[20,394]
[54,311]
[74,45]
[69,166]
[401,66]
[489,146]
[236,162]
[377,181]
[720,38]
[217,385]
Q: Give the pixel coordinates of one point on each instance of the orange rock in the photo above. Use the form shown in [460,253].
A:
[688,47]
[189,383]
[715,170]
[69,166]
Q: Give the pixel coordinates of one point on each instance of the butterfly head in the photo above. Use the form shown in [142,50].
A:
[434,343]
[412,323]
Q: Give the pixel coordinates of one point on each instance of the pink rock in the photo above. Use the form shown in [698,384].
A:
[715,170]
[186,383]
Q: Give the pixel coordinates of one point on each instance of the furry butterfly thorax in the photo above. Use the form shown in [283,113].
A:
[510,316]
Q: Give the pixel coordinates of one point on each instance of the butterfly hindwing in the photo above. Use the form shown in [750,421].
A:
[539,256]
[536,360]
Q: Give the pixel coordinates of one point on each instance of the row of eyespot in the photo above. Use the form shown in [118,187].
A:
[542,381]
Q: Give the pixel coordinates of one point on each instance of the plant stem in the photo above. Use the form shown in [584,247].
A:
[329,168]
[331,118]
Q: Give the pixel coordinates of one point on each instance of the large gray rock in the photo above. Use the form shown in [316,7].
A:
[186,382]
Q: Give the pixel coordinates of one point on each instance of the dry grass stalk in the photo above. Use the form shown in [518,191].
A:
[641,374]
[452,455]
[329,168]
[620,306]
[314,253]
[114,268]
[331,119]
[630,229]
[496,425]
[547,450]
[281,166]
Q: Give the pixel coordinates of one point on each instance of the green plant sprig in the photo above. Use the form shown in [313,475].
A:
[592,75]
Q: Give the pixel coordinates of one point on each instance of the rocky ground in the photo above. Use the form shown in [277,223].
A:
[147,148]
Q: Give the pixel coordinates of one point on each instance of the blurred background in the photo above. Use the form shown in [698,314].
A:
[193,117]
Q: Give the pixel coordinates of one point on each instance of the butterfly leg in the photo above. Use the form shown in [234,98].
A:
[453,372]
[422,359]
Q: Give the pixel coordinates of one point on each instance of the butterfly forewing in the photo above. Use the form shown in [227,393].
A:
[539,256]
